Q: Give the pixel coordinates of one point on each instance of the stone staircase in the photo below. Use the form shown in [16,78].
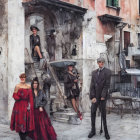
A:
[60,113]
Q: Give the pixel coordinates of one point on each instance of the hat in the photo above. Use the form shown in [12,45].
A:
[70,64]
[101,59]
[34,27]
[22,75]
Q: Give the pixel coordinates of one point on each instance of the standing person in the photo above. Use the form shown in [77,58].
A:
[72,89]
[100,83]
[43,127]
[51,45]
[22,119]
[35,42]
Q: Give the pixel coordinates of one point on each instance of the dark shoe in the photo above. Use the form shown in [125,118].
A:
[91,134]
[107,136]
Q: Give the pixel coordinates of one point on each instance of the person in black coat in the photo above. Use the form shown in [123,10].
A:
[72,90]
[100,84]
[35,42]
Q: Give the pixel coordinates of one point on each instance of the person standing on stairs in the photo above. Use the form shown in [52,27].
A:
[99,86]
[72,90]
[35,43]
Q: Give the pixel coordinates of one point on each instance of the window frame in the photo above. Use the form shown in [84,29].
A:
[113,5]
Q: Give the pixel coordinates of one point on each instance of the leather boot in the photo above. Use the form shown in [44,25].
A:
[107,136]
[91,134]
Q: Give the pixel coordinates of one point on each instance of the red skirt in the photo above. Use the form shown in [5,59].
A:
[43,127]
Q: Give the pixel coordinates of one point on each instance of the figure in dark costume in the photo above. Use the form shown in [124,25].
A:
[100,83]
[51,45]
[43,127]
[22,119]
[35,42]
[72,89]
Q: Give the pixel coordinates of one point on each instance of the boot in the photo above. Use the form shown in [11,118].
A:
[91,134]
[107,136]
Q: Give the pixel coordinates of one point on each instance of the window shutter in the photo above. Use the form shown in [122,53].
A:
[116,3]
[109,2]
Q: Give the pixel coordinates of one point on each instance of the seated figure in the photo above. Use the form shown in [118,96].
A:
[35,42]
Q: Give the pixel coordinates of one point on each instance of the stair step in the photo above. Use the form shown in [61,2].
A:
[61,120]
[35,59]
[36,64]
[65,115]
[70,117]
[38,70]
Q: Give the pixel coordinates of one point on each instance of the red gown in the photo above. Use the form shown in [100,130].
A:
[22,119]
[43,127]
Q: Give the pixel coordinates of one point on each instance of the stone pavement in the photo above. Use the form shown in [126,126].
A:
[127,128]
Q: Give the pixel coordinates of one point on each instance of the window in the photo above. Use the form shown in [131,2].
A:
[126,42]
[114,3]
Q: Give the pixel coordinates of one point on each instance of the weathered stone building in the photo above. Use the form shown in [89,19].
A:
[92,27]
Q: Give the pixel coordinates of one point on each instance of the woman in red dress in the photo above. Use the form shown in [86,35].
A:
[22,119]
[43,127]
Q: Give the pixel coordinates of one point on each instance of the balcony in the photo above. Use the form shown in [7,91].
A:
[110,18]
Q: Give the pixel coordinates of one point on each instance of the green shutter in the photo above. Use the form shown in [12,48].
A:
[116,3]
[109,2]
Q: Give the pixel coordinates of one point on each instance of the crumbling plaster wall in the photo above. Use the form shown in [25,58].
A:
[3,48]
[3,59]
[91,51]
[15,47]
[67,26]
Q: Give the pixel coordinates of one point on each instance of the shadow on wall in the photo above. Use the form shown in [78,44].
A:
[2,13]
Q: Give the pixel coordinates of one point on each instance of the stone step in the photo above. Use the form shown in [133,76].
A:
[36,65]
[38,71]
[35,59]
[61,120]
[67,117]
[64,114]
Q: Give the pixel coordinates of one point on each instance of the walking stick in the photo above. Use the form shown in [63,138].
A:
[101,130]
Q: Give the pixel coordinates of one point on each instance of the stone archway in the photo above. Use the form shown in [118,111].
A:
[62,17]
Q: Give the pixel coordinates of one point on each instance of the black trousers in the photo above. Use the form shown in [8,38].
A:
[102,107]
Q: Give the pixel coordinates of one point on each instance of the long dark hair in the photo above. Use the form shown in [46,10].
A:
[32,84]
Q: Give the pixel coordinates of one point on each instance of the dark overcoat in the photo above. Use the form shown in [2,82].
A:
[100,84]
